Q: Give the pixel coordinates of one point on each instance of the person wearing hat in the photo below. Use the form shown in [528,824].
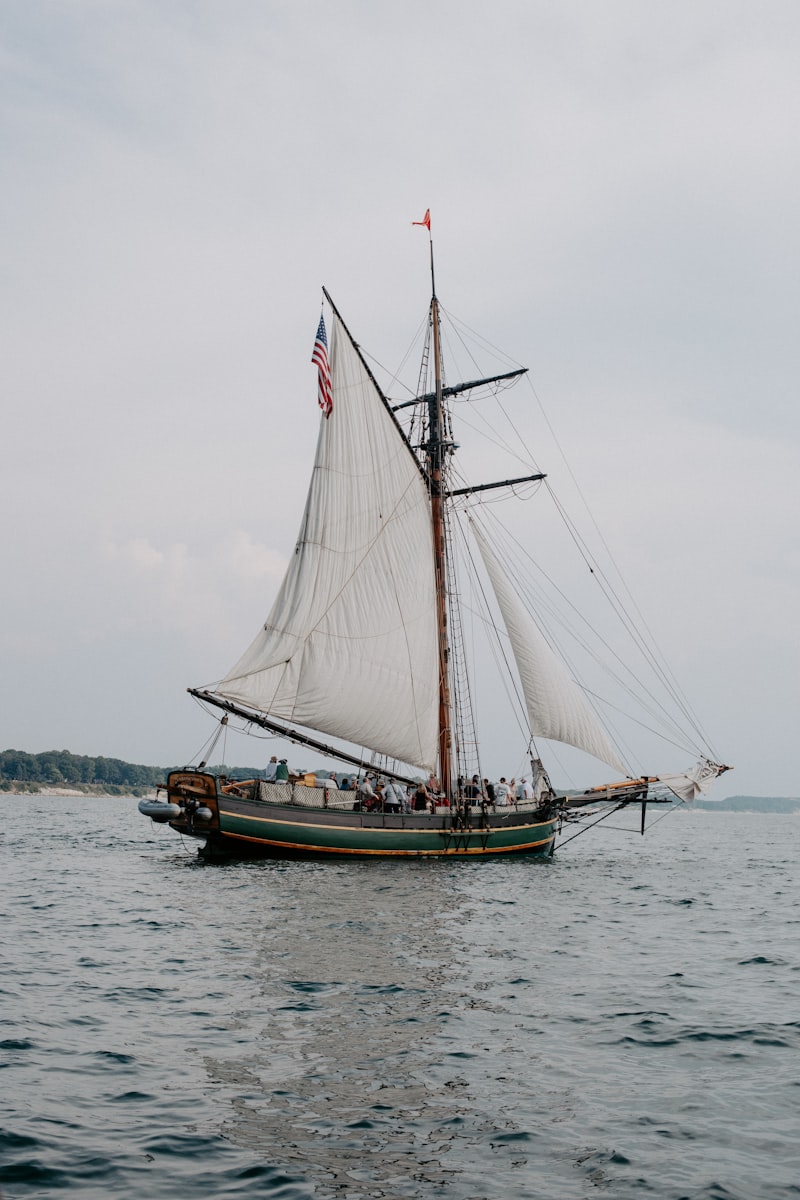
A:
[392,797]
[282,772]
[366,792]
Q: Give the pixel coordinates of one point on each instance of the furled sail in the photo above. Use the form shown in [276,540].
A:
[555,704]
[688,785]
[350,647]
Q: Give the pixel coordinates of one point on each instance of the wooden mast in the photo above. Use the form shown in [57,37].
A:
[435,465]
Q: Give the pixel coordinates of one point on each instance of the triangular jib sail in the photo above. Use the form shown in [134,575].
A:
[350,647]
[555,705]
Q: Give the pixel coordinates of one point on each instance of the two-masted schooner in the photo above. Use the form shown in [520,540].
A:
[364,645]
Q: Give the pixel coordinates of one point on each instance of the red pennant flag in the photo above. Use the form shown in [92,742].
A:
[426,220]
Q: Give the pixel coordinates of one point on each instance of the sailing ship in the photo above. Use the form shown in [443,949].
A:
[365,644]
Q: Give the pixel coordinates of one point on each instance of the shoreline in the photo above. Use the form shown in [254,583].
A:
[75,793]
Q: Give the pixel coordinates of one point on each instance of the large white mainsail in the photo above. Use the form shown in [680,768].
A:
[350,647]
[556,708]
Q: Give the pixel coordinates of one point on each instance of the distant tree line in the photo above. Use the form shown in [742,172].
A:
[20,771]
[772,804]
[59,768]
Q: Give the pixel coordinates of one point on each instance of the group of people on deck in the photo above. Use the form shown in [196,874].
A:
[374,793]
[377,794]
[498,795]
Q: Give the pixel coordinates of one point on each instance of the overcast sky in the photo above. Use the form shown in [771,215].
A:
[615,190]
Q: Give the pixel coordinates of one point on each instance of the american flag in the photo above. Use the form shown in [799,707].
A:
[320,357]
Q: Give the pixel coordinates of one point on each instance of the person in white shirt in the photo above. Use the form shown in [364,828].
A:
[392,796]
[330,785]
[270,769]
[501,792]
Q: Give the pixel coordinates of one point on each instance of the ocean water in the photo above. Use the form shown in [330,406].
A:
[622,1021]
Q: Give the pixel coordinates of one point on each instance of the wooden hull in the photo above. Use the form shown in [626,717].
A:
[244,825]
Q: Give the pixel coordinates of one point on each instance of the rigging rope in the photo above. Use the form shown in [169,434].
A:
[641,693]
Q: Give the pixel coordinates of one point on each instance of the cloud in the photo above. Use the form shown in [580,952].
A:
[139,554]
[250,560]
[174,588]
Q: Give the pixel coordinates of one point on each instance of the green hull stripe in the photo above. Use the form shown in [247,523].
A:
[338,839]
[253,820]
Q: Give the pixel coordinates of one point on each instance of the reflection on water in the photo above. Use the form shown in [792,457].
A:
[335,1077]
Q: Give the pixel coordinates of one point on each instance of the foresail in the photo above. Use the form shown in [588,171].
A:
[556,707]
[350,647]
[688,785]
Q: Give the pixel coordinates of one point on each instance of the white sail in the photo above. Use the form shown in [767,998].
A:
[688,785]
[350,647]
[555,704]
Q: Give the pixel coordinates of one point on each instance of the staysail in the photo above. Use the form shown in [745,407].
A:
[350,647]
[556,708]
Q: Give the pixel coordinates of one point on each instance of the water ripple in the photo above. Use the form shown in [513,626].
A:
[619,1022]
